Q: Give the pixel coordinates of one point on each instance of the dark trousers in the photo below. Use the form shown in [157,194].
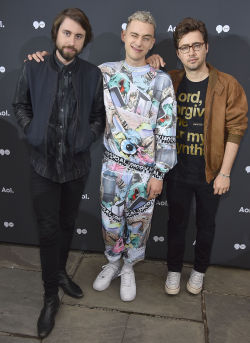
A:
[179,197]
[56,206]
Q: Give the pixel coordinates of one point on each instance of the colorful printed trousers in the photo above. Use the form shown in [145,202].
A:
[126,213]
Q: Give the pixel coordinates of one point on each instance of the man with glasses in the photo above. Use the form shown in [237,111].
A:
[211,108]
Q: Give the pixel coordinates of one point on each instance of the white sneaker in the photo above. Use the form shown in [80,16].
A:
[128,285]
[195,282]
[172,285]
[109,272]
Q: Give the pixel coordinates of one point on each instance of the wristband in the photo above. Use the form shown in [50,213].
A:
[225,175]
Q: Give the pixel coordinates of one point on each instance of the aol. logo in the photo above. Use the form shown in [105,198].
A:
[4,152]
[220,28]
[8,224]
[171,28]
[8,190]
[238,246]
[4,113]
[247,169]
[161,203]
[1,24]
[158,239]
[81,231]
[244,210]
[85,196]
[38,24]
[2,69]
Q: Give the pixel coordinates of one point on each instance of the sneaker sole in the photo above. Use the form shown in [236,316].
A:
[127,300]
[172,291]
[193,290]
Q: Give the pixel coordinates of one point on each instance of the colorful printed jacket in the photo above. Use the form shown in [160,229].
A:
[140,115]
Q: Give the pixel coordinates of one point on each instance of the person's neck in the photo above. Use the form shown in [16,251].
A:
[133,63]
[62,60]
[197,75]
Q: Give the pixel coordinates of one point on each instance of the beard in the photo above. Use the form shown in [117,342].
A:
[68,55]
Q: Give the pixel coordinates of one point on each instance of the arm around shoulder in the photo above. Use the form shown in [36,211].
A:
[98,114]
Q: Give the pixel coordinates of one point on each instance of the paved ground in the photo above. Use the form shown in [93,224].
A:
[221,314]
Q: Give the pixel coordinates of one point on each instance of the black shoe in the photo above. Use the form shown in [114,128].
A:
[46,320]
[68,286]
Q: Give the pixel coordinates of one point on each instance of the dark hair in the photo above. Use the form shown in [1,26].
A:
[188,25]
[77,15]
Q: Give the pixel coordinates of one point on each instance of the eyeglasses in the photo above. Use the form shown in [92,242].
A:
[186,48]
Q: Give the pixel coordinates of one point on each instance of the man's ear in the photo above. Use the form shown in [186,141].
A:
[123,34]
[207,47]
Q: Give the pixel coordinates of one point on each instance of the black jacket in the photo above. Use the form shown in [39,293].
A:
[35,96]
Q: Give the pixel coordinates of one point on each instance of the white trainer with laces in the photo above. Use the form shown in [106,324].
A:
[128,285]
[172,285]
[109,272]
[195,282]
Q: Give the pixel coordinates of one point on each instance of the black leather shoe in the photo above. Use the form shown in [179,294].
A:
[68,286]
[46,320]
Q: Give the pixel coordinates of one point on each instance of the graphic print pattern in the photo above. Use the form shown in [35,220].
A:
[140,143]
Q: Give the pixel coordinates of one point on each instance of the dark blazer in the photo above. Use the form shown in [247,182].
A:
[35,96]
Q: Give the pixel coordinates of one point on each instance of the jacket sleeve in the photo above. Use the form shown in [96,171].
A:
[236,112]
[22,102]
[98,114]
[165,134]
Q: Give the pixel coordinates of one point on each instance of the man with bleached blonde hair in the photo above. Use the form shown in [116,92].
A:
[140,149]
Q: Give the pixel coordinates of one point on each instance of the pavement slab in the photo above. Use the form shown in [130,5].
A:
[151,297]
[79,324]
[228,318]
[224,281]
[21,301]
[27,257]
[161,330]
[13,339]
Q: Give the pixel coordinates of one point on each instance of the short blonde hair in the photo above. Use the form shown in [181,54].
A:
[143,16]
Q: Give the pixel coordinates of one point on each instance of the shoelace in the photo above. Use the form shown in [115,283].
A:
[197,278]
[173,278]
[126,280]
[107,269]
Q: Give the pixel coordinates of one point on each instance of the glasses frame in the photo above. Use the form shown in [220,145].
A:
[191,46]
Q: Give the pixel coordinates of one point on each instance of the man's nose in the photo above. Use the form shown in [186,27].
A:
[139,41]
[192,51]
[71,40]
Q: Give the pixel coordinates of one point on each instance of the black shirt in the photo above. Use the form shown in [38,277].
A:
[189,136]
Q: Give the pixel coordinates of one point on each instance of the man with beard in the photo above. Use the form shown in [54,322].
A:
[59,105]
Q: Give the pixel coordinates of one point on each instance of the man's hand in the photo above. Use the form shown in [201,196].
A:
[221,184]
[38,56]
[156,61]
[154,188]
